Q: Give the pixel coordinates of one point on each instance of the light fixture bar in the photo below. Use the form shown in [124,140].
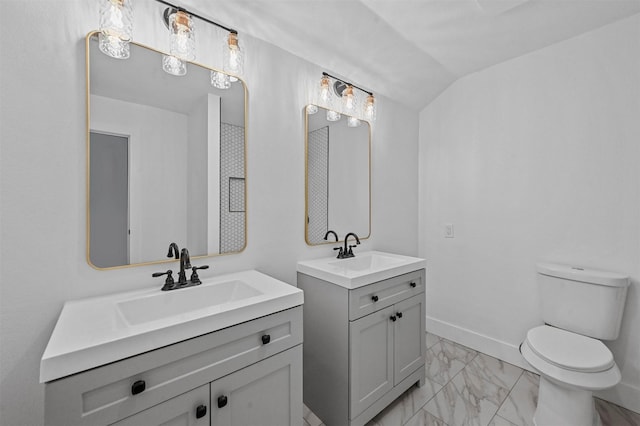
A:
[326,74]
[178,8]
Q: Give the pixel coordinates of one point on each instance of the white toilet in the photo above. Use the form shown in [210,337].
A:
[579,306]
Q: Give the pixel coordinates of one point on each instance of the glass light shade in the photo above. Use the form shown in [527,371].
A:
[116,27]
[325,94]
[349,99]
[220,80]
[353,122]
[370,108]
[113,46]
[233,55]
[333,115]
[312,109]
[174,66]
[182,36]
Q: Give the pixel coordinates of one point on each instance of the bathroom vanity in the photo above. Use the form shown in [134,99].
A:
[105,365]
[364,333]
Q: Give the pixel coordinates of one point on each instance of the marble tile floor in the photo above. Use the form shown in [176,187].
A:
[466,387]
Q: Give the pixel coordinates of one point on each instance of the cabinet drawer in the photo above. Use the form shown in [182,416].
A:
[105,394]
[370,298]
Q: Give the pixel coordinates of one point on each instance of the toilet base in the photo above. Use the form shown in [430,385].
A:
[560,405]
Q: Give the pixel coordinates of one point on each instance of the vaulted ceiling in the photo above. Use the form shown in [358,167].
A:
[411,50]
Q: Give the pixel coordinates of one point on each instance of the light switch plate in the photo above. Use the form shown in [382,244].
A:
[448,230]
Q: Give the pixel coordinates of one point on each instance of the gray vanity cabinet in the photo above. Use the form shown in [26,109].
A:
[363,347]
[188,409]
[255,365]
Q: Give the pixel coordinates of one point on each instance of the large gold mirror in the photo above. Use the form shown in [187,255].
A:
[338,190]
[165,160]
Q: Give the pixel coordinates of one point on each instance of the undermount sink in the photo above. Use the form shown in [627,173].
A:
[365,268]
[166,304]
[100,330]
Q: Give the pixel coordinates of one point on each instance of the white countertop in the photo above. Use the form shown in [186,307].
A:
[93,332]
[363,269]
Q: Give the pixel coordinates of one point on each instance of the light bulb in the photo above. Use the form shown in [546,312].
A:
[312,109]
[116,27]
[348,99]
[174,66]
[233,56]
[220,80]
[353,122]
[324,90]
[333,115]
[370,108]
[182,36]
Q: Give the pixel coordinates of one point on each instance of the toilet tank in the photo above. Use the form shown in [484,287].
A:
[584,301]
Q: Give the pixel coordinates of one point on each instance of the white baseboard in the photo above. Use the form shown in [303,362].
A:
[624,395]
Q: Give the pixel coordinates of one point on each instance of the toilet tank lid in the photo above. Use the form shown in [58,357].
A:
[611,279]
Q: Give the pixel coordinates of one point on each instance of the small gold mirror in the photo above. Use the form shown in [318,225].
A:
[165,160]
[338,172]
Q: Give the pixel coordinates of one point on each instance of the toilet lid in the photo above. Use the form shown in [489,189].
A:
[569,350]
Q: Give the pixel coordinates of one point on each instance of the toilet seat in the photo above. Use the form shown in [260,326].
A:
[548,350]
[569,350]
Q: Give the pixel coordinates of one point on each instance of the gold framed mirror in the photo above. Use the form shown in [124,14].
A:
[337,176]
[166,160]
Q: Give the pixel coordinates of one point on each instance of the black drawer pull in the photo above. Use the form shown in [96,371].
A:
[222,401]
[412,284]
[266,339]
[393,318]
[374,298]
[201,411]
[399,314]
[138,387]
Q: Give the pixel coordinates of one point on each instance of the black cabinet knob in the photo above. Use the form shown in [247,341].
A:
[138,387]
[201,411]
[266,339]
[374,298]
[222,401]
[393,318]
[412,284]
[399,314]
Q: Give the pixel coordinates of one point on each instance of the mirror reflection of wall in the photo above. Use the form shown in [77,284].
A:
[338,173]
[179,178]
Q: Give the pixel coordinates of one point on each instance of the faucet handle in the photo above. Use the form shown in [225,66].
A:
[169,284]
[350,253]
[195,279]
[340,253]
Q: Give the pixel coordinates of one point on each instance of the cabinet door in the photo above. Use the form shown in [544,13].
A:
[371,359]
[267,393]
[409,337]
[188,409]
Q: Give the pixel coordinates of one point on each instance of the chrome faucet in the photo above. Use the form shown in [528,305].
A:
[348,252]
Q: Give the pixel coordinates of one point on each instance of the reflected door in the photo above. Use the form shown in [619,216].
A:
[109,176]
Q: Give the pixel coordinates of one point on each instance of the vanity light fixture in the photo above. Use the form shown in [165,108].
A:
[233,56]
[353,122]
[348,99]
[370,108]
[347,93]
[182,36]
[182,41]
[220,80]
[116,27]
[333,115]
